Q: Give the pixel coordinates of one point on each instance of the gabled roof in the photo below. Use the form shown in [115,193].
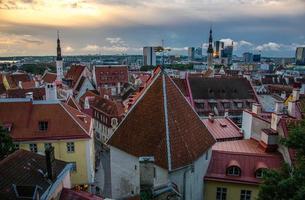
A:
[22,168]
[74,73]
[72,102]
[163,124]
[108,106]
[13,79]
[64,122]
[111,74]
[49,77]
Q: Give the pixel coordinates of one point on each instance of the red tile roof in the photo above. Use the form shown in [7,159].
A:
[13,79]
[111,74]
[72,102]
[64,122]
[77,195]
[38,93]
[223,129]
[107,106]
[74,73]
[28,84]
[49,77]
[245,154]
[143,131]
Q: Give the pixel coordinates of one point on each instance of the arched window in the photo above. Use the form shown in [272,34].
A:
[233,171]
[259,169]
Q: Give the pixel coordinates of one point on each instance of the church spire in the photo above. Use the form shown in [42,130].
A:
[210,48]
[58,48]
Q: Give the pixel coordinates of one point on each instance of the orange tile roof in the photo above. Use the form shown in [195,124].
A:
[143,131]
[49,77]
[223,129]
[64,122]
[249,146]
[74,73]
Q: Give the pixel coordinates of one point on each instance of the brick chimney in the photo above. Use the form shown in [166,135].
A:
[256,108]
[292,104]
[276,115]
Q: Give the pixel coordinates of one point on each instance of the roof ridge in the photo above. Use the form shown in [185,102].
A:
[167,132]
[61,104]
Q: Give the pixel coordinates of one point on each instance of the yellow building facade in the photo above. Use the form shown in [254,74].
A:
[82,157]
[233,190]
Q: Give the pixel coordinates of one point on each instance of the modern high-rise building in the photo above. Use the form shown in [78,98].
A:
[219,45]
[210,51]
[227,55]
[300,56]
[198,53]
[247,57]
[59,61]
[256,57]
[191,53]
[149,56]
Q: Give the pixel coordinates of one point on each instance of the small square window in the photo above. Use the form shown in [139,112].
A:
[221,193]
[245,195]
[33,148]
[70,147]
[43,126]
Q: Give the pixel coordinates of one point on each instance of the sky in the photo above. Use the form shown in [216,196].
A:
[29,27]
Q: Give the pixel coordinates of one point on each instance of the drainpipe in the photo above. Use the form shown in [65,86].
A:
[189,168]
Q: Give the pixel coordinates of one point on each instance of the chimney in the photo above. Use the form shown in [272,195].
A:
[211,117]
[51,93]
[20,84]
[292,110]
[276,115]
[119,88]
[37,84]
[302,90]
[147,173]
[295,94]
[29,95]
[86,103]
[226,114]
[256,108]
[49,152]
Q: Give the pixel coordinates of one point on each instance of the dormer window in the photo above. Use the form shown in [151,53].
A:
[259,173]
[43,125]
[233,168]
[233,171]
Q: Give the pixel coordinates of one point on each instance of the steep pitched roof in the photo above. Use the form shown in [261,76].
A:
[49,77]
[164,125]
[64,122]
[74,73]
[71,102]
[107,106]
[22,168]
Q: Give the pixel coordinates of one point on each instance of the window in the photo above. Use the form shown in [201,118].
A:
[245,195]
[33,148]
[16,146]
[47,145]
[239,105]
[43,125]
[259,173]
[221,194]
[74,168]
[226,105]
[233,171]
[70,147]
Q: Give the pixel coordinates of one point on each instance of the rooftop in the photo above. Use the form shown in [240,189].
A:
[223,129]
[24,168]
[170,130]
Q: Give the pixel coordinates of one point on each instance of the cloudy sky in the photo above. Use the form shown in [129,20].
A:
[29,27]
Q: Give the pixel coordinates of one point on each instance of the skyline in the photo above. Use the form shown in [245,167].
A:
[29,27]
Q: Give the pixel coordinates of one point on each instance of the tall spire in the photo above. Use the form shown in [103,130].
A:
[58,47]
[210,48]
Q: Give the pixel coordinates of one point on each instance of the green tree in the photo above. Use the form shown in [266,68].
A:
[6,143]
[288,183]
